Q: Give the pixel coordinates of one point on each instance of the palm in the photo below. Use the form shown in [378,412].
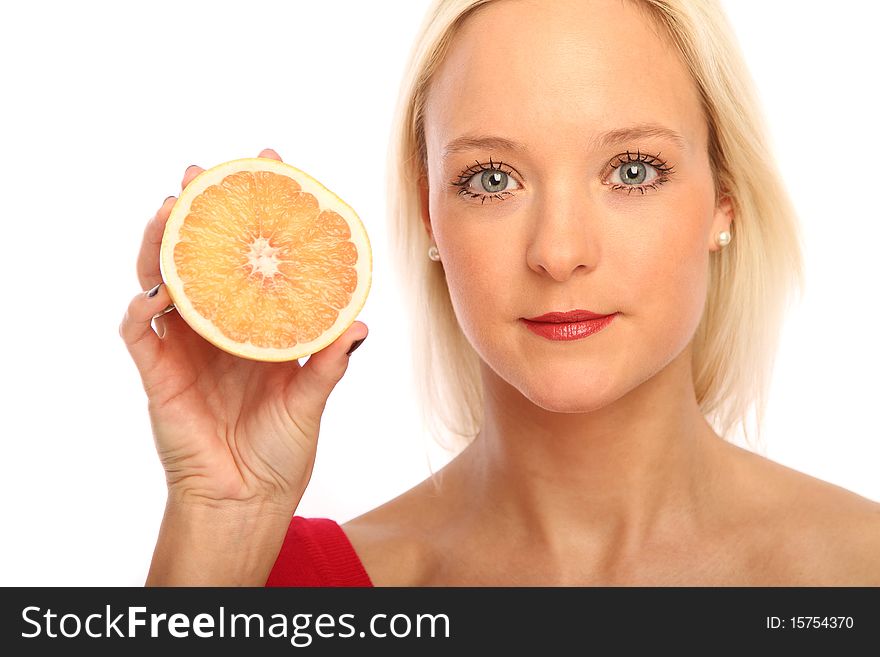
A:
[225,417]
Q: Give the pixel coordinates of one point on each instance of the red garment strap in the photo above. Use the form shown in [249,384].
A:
[316,552]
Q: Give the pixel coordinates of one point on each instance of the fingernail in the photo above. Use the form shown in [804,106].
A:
[166,200]
[191,166]
[159,326]
[355,345]
[154,291]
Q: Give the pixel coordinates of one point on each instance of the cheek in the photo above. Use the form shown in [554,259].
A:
[665,275]
[474,276]
[475,262]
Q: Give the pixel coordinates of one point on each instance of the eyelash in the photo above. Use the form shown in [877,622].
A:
[465,176]
[663,172]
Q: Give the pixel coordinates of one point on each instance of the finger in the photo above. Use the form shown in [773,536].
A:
[324,370]
[136,331]
[148,258]
[270,153]
[191,172]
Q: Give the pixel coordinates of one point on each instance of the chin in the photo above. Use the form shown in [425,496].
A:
[559,394]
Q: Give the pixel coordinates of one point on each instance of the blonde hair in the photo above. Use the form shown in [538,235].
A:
[751,281]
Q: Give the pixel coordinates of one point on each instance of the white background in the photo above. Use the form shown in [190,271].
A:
[106,103]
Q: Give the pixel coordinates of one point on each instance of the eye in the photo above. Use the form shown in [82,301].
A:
[633,172]
[638,172]
[486,181]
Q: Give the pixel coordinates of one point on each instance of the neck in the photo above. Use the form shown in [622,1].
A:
[621,474]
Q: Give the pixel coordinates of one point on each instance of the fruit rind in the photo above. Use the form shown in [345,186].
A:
[326,199]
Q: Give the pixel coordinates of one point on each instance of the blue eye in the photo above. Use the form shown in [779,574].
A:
[485,181]
[494,181]
[626,172]
[632,173]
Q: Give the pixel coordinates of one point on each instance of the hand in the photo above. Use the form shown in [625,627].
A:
[227,429]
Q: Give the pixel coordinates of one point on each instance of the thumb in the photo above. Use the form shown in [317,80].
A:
[325,368]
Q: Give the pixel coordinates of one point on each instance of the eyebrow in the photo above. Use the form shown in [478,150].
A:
[602,140]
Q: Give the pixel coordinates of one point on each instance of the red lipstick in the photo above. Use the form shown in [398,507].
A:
[571,325]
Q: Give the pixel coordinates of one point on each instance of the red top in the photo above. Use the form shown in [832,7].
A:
[316,552]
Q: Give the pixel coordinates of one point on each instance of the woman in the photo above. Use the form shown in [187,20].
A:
[603,156]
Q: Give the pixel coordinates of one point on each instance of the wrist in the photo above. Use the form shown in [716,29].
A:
[196,505]
[218,542]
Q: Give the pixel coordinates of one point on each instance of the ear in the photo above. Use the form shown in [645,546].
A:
[722,220]
[424,205]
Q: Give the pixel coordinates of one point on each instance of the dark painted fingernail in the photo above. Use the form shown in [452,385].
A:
[154,291]
[355,345]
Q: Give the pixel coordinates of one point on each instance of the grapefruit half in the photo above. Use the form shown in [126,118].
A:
[263,261]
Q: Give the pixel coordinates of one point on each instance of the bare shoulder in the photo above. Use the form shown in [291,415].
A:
[787,528]
[824,534]
[394,541]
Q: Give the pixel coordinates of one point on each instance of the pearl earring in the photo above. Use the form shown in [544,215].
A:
[434,253]
[722,239]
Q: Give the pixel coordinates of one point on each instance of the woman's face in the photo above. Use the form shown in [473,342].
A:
[574,212]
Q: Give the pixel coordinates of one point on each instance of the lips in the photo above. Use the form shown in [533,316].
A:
[571,325]
[566,317]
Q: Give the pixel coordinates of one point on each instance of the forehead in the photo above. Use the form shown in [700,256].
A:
[559,72]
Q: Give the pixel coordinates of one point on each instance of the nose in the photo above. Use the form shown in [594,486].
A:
[565,236]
